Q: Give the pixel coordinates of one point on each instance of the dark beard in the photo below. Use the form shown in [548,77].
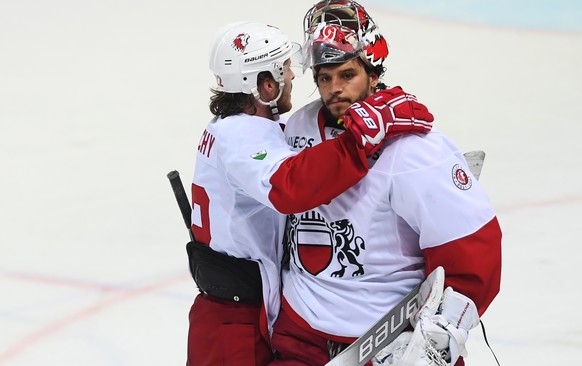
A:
[330,120]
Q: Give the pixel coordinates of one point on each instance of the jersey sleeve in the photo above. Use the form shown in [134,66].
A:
[436,194]
[267,169]
[472,264]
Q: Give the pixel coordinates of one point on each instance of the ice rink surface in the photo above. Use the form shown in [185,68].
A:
[100,100]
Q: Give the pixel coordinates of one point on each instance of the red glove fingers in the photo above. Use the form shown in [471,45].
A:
[386,114]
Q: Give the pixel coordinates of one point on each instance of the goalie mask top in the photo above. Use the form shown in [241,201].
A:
[351,15]
[242,50]
[332,44]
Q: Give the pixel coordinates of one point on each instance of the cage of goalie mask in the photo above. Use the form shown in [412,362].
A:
[352,15]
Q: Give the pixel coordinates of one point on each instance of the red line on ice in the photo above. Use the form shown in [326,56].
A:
[57,325]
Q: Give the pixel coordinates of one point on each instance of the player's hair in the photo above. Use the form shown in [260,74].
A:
[378,70]
[223,104]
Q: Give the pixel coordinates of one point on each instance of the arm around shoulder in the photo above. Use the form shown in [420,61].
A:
[318,174]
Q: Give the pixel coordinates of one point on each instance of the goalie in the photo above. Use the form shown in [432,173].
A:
[419,208]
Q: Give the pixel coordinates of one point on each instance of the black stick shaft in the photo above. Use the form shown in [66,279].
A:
[182,199]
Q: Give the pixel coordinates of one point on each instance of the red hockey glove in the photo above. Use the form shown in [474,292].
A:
[386,114]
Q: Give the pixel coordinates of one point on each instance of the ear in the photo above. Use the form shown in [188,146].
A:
[271,85]
[269,89]
[374,79]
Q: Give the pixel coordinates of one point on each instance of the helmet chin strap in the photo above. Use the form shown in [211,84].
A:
[272,103]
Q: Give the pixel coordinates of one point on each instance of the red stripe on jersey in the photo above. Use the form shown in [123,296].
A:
[472,264]
[301,323]
[318,174]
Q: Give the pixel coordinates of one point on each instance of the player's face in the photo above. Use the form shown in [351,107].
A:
[342,85]
[284,103]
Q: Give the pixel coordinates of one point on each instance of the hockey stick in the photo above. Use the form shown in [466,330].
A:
[475,161]
[380,334]
[389,327]
[182,199]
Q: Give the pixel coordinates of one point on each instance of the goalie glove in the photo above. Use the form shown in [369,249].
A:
[408,348]
[385,114]
[457,316]
[440,332]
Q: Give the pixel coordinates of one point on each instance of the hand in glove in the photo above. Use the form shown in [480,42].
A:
[441,328]
[386,114]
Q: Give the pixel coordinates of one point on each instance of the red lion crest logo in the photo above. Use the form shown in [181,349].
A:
[240,42]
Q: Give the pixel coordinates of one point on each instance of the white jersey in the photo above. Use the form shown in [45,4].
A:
[355,258]
[245,175]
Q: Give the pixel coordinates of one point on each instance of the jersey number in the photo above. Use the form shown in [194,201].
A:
[200,203]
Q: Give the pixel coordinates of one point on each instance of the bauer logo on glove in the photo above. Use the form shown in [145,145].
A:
[362,112]
[385,114]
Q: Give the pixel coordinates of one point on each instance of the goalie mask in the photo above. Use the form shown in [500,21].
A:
[331,44]
[352,15]
[242,50]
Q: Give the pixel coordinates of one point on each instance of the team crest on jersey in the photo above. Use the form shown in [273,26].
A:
[315,245]
[240,42]
[259,155]
[460,177]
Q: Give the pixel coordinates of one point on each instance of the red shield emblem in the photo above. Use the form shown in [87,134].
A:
[314,248]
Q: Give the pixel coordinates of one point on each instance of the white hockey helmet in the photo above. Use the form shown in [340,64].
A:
[242,50]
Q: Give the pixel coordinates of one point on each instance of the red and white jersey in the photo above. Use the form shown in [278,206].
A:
[356,257]
[246,176]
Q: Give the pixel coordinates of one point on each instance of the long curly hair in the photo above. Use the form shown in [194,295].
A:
[223,104]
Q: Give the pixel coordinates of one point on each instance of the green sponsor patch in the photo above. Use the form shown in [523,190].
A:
[260,155]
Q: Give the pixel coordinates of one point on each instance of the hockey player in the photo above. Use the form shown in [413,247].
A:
[418,208]
[246,178]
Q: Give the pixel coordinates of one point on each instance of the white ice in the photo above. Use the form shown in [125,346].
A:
[100,99]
